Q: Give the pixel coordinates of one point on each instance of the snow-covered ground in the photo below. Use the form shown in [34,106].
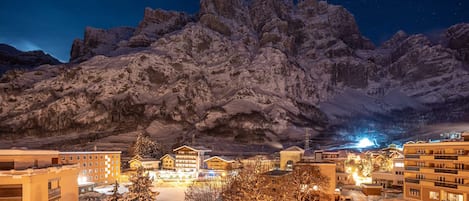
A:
[171,193]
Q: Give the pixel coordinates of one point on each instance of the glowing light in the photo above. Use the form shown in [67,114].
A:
[361,180]
[365,142]
[315,187]
[82,180]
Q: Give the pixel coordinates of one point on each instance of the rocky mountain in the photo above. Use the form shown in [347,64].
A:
[11,58]
[240,75]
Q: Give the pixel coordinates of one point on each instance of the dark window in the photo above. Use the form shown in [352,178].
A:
[7,165]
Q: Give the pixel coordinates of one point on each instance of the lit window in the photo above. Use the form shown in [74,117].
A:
[434,195]
[399,164]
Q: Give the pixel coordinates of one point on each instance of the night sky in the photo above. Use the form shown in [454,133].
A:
[52,25]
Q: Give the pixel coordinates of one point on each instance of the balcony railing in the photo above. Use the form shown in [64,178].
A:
[412,168]
[410,180]
[54,193]
[445,184]
[412,156]
[446,157]
[448,171]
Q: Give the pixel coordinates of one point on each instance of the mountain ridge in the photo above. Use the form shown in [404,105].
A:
[248,74]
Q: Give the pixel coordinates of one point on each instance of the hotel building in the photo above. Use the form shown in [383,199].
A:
[95,167]
[36,175]
[437,171]
[190,159]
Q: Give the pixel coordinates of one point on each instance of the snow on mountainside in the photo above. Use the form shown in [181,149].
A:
[244,73]
[11,58]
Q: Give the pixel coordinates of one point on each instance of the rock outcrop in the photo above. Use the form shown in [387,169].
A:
[11,58]
[240,72]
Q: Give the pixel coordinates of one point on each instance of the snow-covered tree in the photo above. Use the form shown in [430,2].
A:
[307,183]
[145,146]
[205,191]
[140,190]
[247,185]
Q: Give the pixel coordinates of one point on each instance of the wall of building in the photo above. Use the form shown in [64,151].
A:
[97,167]
[286,156]
[218,164]
[442,165]
[24,159]
[167,163]
[35,183]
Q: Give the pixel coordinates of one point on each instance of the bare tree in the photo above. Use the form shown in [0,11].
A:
[307,183]
[205,191]
[248,185]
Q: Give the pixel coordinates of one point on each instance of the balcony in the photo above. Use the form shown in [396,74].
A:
[54,193]
[410,180]
[412,156]
[447,171]
[446,184]
[412,168]
[446,157]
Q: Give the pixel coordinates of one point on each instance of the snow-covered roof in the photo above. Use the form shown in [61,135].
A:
[294,148]
[90,152]
[223,158]
[168,155]
[194,148]
[18,152]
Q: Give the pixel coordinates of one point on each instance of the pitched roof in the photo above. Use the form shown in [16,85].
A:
[168,155]
[195,148]
[223,158]
[293,148]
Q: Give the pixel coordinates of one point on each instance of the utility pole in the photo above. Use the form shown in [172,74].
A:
[307,136]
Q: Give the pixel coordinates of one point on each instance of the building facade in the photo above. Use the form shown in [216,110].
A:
[168,162]
[436,171]
[289,156]
[36,175]
[146,163]
[219,163]
[190,159]
[263,163]
[394,178]
[95,167]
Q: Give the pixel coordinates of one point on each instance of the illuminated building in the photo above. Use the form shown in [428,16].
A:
[190,159]
[36,175]
[437,171]
[168,162]
[147,163]
[95,167]
[219,163]
[289,156]
[393,178]
[264,163]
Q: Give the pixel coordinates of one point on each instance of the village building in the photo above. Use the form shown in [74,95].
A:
[36,175]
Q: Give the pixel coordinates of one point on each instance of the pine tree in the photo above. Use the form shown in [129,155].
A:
[144,146]
[140,190]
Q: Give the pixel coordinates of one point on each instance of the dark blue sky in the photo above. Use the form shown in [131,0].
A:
[51,25]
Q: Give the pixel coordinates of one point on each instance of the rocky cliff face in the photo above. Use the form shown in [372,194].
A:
[240,72]
[11,58]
